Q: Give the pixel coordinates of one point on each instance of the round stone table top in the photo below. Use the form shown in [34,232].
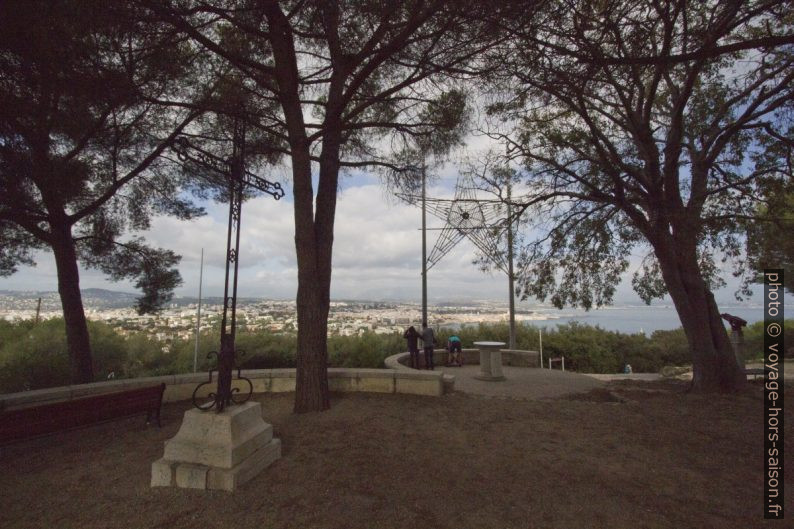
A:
[489,345]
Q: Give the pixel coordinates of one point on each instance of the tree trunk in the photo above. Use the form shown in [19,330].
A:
[72,302]
[313,299]
[314,246]
[314,230]
[714,363]
[311,384]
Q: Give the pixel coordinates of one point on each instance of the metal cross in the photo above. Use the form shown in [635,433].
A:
[238,179]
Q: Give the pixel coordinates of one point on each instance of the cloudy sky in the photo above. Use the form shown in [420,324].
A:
[377,251]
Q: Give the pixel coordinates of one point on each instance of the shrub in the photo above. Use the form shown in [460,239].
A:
[37,355]
[587,348]
[36,358]
[367,350]
[754,340]
[669,347]
[266,351]
[145,357]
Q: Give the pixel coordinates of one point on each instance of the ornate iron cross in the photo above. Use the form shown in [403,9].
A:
[238,179]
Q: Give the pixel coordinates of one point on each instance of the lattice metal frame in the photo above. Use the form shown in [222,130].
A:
[483,222]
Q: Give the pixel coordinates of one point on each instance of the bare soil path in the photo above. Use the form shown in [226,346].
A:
[660,459]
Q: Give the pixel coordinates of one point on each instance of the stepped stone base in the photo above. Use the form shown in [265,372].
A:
[218,451]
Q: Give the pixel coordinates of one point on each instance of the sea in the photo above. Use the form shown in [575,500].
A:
[628,319]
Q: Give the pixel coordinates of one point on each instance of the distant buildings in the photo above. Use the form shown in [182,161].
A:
[346,318]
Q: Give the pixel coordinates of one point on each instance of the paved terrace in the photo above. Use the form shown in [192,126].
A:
[522,382]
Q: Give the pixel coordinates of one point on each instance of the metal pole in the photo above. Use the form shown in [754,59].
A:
[198,314]
[540,344]
[227,352]
[510,277]
[239,198]
[424,248]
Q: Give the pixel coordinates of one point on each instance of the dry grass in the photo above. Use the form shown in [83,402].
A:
[632,455]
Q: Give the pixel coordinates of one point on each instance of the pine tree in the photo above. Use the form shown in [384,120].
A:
[80,137]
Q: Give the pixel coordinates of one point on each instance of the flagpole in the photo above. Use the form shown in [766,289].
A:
[424,248]
[198,314]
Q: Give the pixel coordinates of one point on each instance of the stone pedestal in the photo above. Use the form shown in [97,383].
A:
[490,361]
[217,450]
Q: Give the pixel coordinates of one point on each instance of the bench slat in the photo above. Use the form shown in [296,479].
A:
[48,418]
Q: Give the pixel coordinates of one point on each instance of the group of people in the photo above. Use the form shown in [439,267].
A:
[428,337]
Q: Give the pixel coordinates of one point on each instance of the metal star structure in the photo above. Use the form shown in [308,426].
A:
[481,221]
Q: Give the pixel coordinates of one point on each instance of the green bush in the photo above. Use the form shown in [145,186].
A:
[669,348]
[11,332]
[367,350]
[255,350]
[145,357]
[526,336]
[266,351]
[754,340]
[36,356]
[587,348]
[109,350]
[182,352]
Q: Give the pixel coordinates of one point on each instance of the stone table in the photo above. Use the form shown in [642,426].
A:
[490,361]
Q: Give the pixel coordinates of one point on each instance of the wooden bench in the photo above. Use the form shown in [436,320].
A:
[29,422]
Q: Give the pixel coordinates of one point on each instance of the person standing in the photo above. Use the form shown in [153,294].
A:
[429,341]
[413,347]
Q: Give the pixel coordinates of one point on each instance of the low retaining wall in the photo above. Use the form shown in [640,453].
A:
[510,357]
[180,387]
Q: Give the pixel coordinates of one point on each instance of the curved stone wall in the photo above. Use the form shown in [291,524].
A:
[510,357]
[396,378]
[180,387]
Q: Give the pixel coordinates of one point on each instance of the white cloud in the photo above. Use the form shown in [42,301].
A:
[377,252]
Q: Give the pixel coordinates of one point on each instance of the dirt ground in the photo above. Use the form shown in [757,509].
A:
[628,454]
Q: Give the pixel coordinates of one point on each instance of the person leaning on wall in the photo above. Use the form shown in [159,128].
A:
[429,340]
[455,349]
[413,347]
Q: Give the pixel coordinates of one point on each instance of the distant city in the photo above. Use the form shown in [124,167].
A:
[346,317]
[178,319]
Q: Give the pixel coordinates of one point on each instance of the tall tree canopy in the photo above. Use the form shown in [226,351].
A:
[355,82]
[769,240]
[649,125]
[80,138]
